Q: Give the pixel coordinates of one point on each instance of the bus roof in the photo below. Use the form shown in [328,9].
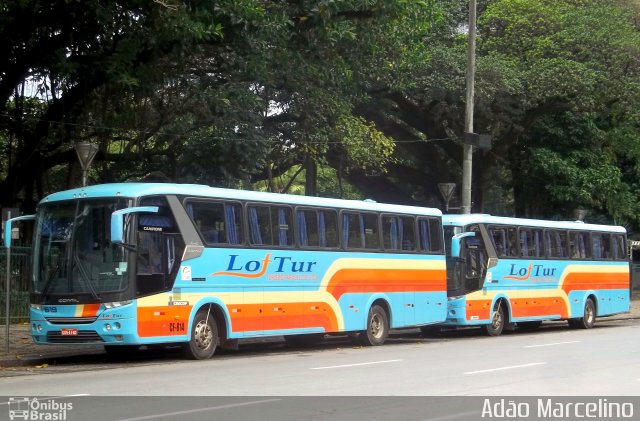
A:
[466,219]
[136,190]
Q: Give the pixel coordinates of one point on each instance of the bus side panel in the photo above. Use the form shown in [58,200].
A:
[608,282]
[545,290]
[276,292]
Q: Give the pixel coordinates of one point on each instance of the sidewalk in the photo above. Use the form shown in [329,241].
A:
[23,352]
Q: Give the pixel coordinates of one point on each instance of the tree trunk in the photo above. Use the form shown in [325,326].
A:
[311,177]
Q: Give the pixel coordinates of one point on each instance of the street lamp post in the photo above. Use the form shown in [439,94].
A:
[467,154]
[86,152]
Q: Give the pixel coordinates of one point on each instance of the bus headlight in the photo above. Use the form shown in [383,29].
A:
[36,307]
[116,304]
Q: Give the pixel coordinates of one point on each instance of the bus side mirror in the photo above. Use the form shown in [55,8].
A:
[7,227]
[117,221]
[456,242]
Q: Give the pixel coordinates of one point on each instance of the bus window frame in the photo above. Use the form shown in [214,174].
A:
[543,255]
[416,245]
[516,246]
[316,210]
[293,244]
[363,213]
[429,219]
[243,222]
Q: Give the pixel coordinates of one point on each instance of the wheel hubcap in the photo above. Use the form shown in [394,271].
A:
[203,335]
[497,320]
[589,314]
[376,326]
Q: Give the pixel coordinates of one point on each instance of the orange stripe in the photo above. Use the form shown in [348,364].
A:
[596,280]
[481,309]
[386,280]
[278,316]
[90,310]
[534,307]
[163,320]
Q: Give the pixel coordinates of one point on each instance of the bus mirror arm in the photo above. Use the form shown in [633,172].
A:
[7,227]
[456,242]
[117,222]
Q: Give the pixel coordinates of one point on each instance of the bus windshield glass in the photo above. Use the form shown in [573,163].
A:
[73,254]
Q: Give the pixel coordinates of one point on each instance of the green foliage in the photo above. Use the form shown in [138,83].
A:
[246,93]
[364,145]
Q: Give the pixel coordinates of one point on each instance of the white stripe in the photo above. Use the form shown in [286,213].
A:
[355,365]
[553,344]
[503,368]
[192,411]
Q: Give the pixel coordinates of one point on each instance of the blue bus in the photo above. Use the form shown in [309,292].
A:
[504,271]
[130,264]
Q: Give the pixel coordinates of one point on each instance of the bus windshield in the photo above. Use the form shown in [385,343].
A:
[73,254]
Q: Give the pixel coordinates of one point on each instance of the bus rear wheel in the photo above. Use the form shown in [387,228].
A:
[497,322]
[377,327]
[204,337]
[588,319]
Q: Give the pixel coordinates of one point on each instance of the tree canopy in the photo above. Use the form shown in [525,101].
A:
[240,92]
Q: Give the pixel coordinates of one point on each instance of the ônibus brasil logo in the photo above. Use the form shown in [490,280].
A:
[34,409]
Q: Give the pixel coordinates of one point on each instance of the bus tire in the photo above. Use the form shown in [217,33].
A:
[204,337]
[496,326]
[588,318]
[377,327]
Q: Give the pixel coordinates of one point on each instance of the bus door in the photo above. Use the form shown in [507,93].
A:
[470,266]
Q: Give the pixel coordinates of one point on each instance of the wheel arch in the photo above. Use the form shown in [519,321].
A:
[217,309]
[503,301]
[381,300]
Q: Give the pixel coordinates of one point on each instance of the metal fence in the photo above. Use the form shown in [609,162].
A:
[18,284]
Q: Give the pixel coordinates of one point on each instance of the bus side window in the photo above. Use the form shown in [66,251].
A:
[360,230]
[619,247]
[398,232]
[217,223]
[531,242]
[556,244]
[327,228]
[505,240]
[601,245]
[579,247]
[281,223]
[429,231]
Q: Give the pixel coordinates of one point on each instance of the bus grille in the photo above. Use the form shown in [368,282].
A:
[71,320]
[83,336]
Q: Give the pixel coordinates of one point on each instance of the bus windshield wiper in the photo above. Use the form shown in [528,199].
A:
[49,282]
[85,277]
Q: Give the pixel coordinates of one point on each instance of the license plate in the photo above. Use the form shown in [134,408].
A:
[69,332]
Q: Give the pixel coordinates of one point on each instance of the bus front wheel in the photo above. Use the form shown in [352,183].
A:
[377,327]
[204,337]
[588,319]
[497,322]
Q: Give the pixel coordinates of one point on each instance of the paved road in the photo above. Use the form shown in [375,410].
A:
[551,361]
[409,378]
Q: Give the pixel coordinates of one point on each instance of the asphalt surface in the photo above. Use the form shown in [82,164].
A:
[23,352]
